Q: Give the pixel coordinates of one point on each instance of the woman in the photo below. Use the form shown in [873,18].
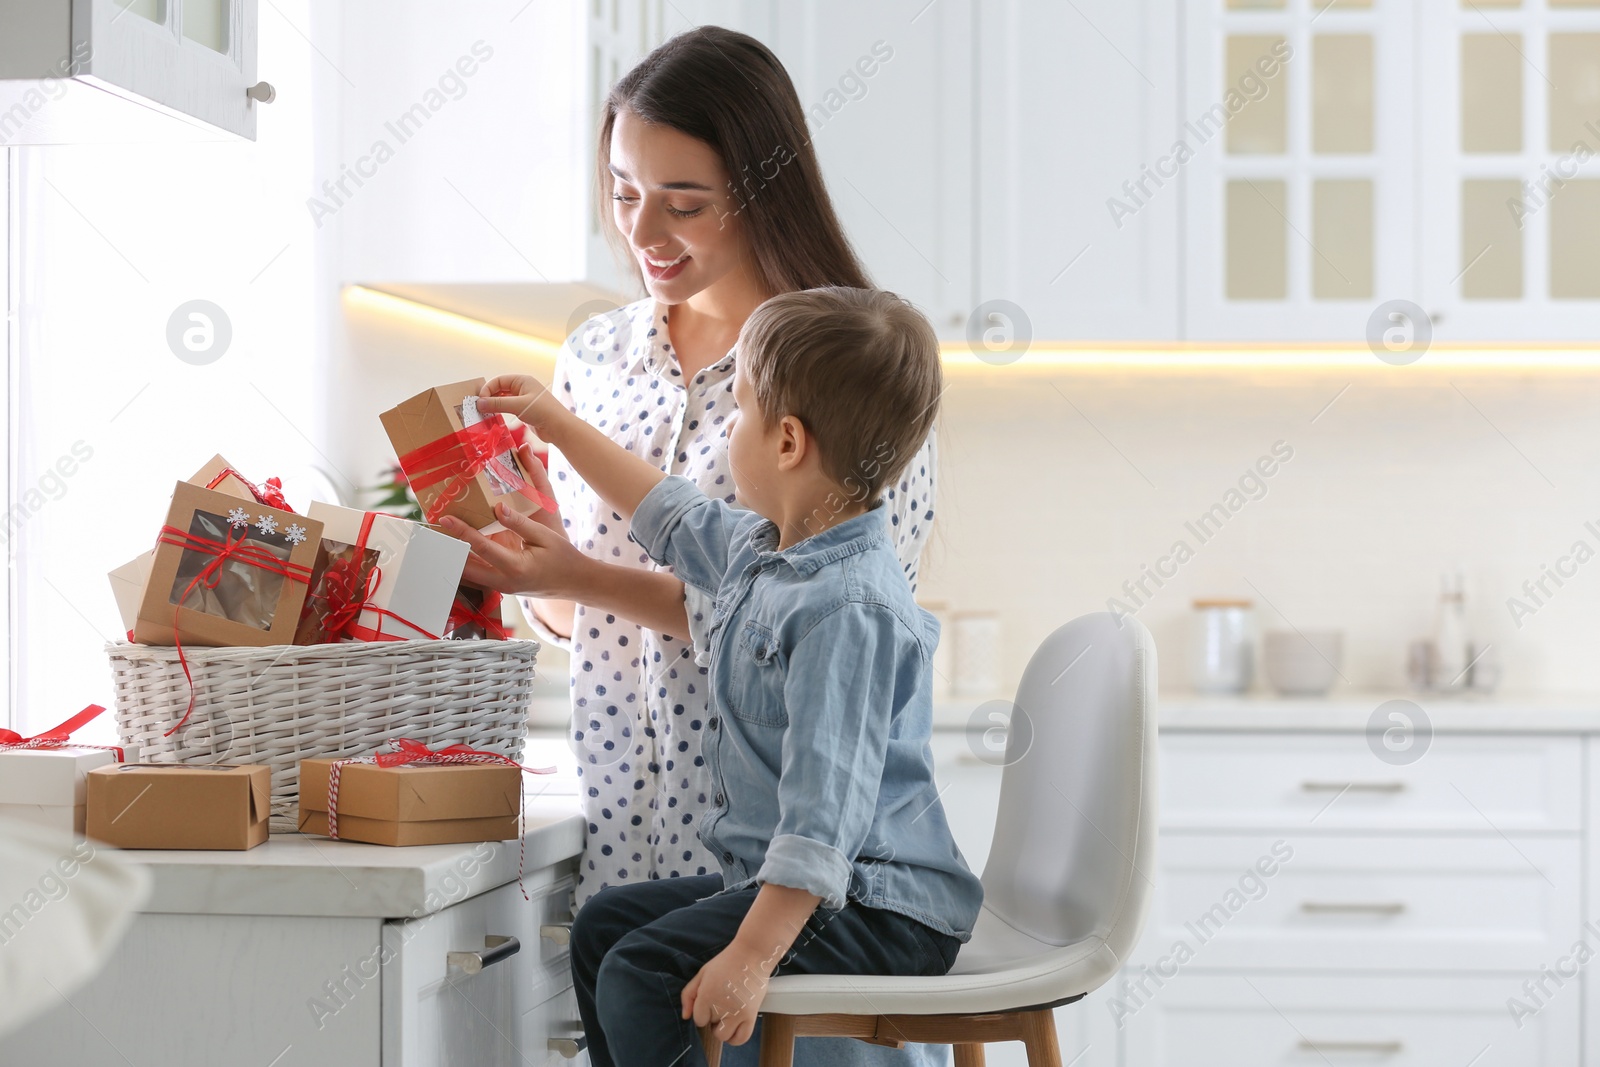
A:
[718,200]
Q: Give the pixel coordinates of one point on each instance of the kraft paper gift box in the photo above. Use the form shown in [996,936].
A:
[128,584]
[414,804]
[418,569]
[466,477]
[227,572]
[48,786]
[173,805]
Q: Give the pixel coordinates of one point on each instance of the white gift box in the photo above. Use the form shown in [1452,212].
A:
[45,786]
[127,583]
[419,569]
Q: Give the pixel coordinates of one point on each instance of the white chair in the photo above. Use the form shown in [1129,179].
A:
[1068,878]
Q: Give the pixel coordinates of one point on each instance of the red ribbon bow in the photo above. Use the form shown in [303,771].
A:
[410,751]
[487,618]
[57,737]
[458,457]
[270,494]
[229,548]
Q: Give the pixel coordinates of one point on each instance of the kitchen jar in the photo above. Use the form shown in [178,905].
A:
[1222,656]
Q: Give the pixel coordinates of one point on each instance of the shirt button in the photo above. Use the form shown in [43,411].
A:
[712,722]
[728,856]
[720,799]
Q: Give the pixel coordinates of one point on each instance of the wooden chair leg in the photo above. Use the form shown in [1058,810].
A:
[777,1041]
[712,1047]
[1039,1038]
[969,1055]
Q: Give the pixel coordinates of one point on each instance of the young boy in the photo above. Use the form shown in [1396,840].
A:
[835,853]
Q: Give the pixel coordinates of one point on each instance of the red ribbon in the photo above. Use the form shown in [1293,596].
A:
[223,551]
[348,598]
[57,737]
[460,456]
[270,494]
[487,618]
[409,751]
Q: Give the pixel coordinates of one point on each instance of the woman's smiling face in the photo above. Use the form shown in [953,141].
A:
[671,200]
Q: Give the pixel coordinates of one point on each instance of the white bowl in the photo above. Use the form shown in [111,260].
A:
[1304,662]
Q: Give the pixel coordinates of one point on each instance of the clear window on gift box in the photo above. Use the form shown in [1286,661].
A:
[338,579]
[469,416]
[239,590]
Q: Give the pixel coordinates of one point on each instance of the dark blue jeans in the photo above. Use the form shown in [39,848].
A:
[634,948]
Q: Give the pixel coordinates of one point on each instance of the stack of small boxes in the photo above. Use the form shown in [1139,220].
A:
[235,565]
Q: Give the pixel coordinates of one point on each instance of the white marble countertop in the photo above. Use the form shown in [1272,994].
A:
[1350,711]
[296,874]
[1338,712]
[1353,711]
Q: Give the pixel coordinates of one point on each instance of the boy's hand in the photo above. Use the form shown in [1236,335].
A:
[529,558]
[727,993]
[524,397]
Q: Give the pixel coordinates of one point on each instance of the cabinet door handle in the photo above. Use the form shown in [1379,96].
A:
[569,1044]
[1353,787]
[557,933]
[1382,1047]
[262,93]
[1353,907]
[495,949]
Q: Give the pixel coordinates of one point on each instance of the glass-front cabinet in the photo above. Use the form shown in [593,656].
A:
[1350,154]
[117,70]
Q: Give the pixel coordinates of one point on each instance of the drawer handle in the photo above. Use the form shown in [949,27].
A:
[1383,1047]
[569,1044]
[1353,787]
[557,933]
[495,949]
[1355,907]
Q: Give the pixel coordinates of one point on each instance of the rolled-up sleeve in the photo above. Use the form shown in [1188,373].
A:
[839,695]
[681,527]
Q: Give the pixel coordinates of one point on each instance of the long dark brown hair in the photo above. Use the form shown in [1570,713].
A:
[727,89]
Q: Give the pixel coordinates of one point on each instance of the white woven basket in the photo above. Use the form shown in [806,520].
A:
[281,704]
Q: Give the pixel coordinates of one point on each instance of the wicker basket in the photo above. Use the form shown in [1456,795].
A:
[281,704]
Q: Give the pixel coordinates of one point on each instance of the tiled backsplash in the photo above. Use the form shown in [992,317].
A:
[1053,494]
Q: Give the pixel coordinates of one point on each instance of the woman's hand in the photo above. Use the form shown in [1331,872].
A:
[530,557]
[524,397]
[727,993]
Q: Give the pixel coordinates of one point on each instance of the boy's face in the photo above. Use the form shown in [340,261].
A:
[752,449]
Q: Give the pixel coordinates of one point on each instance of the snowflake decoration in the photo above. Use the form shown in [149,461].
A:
[295,533]
[238,517]
[267,524]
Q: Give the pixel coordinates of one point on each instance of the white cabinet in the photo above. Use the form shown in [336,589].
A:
[887,89]
[1217,1020]
[1076,227]
[349,991]
[1315,904]
[467,147]
[437,1015]
[127,70]
[1301,190]
[1510,162]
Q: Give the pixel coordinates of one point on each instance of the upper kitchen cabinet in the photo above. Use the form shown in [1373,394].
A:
[1301,192]
[75,71]
[1076,169]
[466,158]
[1510,212]
[888,89]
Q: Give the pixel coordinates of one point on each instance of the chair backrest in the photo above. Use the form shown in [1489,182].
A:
[1074,844]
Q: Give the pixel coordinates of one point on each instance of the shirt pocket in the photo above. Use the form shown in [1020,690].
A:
[758,676]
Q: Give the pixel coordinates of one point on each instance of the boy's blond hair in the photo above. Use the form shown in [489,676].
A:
[858,367]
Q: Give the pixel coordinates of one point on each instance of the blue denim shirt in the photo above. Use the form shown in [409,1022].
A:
[821,709]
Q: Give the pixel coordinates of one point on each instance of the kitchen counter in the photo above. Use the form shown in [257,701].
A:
[1355,712]
[302,875]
